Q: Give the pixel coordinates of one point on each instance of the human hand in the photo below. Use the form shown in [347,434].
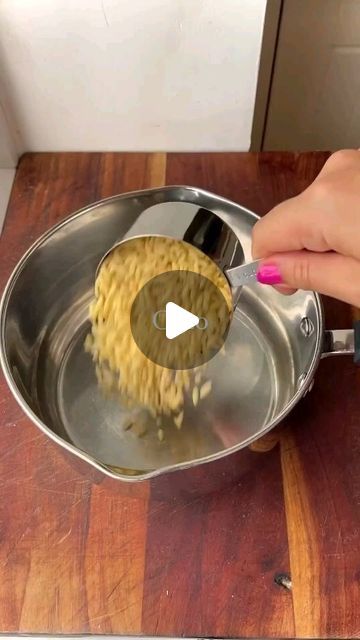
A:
[312,241]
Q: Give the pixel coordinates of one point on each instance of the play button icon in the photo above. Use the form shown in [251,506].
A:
[178,320]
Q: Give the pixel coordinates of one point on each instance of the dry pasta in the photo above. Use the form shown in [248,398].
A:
[121,366]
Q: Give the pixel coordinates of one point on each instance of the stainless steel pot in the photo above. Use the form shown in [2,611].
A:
[273,348]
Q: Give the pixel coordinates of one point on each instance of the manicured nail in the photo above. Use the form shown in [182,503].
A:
[269,274]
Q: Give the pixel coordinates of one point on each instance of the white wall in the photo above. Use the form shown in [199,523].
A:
[131,74]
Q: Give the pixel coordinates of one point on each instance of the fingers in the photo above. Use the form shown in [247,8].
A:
[286,291]
[291,226]
[329,273]
[325,217]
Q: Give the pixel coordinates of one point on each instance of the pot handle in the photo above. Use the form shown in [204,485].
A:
[341,342]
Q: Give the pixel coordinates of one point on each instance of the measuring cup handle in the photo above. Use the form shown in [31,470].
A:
[339,342]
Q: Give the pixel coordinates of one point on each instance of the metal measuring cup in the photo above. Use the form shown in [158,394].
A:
[201,228]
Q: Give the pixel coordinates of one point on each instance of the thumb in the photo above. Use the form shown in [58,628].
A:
[328,273]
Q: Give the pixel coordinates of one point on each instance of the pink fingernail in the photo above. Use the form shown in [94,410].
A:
[269,274]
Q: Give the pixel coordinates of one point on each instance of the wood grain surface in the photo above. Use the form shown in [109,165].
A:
[205,552]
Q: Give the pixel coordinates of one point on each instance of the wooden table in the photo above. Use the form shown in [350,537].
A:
[200,553]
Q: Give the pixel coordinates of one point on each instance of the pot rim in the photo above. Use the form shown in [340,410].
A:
[108,470]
